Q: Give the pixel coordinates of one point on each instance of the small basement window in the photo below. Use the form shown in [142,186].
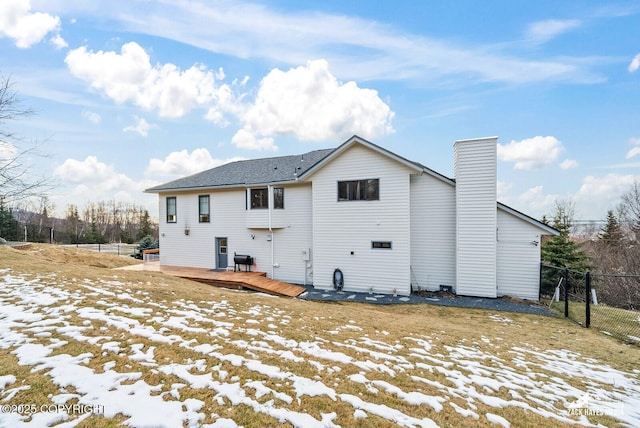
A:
[386,245]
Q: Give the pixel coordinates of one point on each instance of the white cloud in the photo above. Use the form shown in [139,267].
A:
[502,189]
[531,153]
[92,180]
[602,193]
[244,139]
[25,27]
[309,103]
[568,164]
[92,117]
[356,48]
[8,152]
[537,201]
[128,76]
[609,185]
[58,42]
[543,31]
[89,170]
[183,163]
[635,150]
[141,127]
[634,64]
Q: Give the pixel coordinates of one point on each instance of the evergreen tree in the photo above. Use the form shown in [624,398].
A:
[147,243]
[95,236]
[72,224]
[611,234]
[145,227]
[9,227]
[562,250]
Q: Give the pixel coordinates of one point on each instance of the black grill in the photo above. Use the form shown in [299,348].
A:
[240,260]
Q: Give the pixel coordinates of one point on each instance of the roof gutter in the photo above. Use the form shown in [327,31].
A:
[226,186]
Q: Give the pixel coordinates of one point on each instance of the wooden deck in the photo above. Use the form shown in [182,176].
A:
[256,281]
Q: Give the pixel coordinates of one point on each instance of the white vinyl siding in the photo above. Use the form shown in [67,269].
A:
[343,231]
[294,237]
[433,229]
[518,257]
[475,171]
[198,249]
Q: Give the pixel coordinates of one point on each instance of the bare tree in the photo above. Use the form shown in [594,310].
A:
[629,209]
[17,180]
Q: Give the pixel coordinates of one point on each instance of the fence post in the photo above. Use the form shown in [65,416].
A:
[587,311]
[539,281]
[566,292]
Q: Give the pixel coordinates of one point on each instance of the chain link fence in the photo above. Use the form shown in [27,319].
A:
[615,305]
[609,303]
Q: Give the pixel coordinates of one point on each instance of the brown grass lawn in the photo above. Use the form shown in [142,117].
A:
[146,346]
[620,323]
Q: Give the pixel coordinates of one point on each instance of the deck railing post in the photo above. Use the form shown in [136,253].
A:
[565,274]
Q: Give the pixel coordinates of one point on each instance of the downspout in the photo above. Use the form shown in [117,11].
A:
[270,207]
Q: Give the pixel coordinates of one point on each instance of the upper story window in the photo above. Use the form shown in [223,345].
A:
[172,216]
[359,190]
[259,198]
[204,210]
[278,197]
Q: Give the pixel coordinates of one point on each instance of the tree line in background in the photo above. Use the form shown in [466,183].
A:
[613,253]
[26,213]
[615,248]
[98,223]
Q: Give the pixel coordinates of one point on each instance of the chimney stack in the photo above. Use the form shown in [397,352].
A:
[475,169]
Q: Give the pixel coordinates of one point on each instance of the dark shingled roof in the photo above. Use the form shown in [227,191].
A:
[248,172]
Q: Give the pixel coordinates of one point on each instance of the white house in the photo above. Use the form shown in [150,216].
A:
[388,224]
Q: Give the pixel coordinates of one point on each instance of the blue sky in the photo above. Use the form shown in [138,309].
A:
[129,94]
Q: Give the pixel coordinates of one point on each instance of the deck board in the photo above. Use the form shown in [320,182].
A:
[256,281]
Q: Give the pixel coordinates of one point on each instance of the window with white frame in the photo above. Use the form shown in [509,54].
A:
[172,216]
[204,209]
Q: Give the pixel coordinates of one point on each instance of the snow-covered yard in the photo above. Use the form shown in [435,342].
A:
[117,348]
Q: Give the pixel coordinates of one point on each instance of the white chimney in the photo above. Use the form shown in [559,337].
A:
[475,169]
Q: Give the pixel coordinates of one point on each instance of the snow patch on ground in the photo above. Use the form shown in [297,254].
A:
[35,317]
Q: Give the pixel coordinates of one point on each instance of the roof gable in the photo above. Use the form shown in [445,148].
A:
[361,141]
